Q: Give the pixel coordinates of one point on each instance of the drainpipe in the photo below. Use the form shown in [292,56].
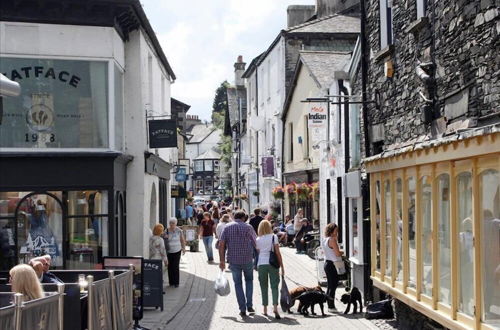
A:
[365,190]
[347,159]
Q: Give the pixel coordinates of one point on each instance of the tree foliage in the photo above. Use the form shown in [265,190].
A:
[220,99]
[218,116]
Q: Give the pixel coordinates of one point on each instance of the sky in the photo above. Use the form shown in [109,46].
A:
[203,38]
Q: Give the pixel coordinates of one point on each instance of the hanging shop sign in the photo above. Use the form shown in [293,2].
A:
[317,120]
[267,166]
[163,133]
[174,191]
[181,176]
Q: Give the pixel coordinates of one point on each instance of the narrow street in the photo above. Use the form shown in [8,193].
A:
[195,305]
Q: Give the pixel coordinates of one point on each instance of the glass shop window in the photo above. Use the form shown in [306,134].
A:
[489,182]
[88,202]
[444,232]
[426,211]
[209,166]
[40,227]
[388,231]
[355,227]
[199,186]
[88,241]
[377,222]
[198,166]
[465,242]
[63,104]
[399,229]
[412,257]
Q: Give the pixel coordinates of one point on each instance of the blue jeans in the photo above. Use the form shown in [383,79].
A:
[207,241]
[244,302]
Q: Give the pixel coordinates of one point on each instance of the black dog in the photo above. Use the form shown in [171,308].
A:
[311,298]
[353,297]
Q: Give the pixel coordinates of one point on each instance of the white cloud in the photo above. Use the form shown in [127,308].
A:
[203,38]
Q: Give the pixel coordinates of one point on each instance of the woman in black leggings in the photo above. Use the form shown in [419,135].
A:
[332,254]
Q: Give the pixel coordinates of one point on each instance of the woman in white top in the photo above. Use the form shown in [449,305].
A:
[267,242]
[222,224]
[176,244]
[332,254]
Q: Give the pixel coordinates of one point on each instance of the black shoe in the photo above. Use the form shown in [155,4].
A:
[243,314]
[277,316]
[251,310]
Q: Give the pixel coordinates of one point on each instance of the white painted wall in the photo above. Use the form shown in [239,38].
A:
[328,171]
[60,41]
[266,90]
[147,87]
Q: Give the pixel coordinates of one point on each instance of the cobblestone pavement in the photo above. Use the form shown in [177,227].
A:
[195,306]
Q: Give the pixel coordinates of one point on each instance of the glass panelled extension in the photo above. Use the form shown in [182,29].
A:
[439,216]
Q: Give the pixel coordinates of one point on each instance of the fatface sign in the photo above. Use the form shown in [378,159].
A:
[163,133]
[317,119]
[267,167]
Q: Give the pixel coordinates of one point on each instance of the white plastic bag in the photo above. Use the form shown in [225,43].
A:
[222,285]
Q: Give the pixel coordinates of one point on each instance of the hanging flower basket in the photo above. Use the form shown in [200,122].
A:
[256,193]
[303,191]
[244,197]
[278,192]
[291,189]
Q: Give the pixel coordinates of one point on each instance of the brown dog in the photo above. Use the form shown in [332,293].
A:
[295,293]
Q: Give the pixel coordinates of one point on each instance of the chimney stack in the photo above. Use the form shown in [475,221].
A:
[298,14]
[239,69]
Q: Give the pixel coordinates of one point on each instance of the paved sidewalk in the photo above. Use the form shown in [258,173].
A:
[195,306]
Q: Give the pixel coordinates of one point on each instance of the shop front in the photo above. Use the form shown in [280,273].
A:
[302,191]
[435,228]
[62,172]
[69,207]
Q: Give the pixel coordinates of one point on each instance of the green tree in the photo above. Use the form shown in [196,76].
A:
[220,101]
[218,119]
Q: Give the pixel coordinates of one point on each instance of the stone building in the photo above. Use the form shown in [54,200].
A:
[433,116]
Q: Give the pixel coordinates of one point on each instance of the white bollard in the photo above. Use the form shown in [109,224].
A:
[90,289]
[60,290]
[18,301]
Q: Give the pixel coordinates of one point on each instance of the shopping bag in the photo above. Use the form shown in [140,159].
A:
[221,285]
[285,300]
[380,310]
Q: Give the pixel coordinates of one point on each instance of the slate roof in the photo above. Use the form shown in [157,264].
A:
[200,132]
[329,24]
[233,95]
[209,154]
[323,65]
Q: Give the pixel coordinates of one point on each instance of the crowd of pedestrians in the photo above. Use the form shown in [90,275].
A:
[247,243]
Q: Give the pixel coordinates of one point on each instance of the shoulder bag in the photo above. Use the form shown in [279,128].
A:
[273,258]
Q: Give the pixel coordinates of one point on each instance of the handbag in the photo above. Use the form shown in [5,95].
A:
[340,267]
[273,258]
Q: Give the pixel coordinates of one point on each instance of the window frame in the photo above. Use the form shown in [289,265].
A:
[386,23]
[110,103]
[453,168]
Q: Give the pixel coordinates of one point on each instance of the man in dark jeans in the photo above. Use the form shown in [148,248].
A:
[255,221]
[238,239]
